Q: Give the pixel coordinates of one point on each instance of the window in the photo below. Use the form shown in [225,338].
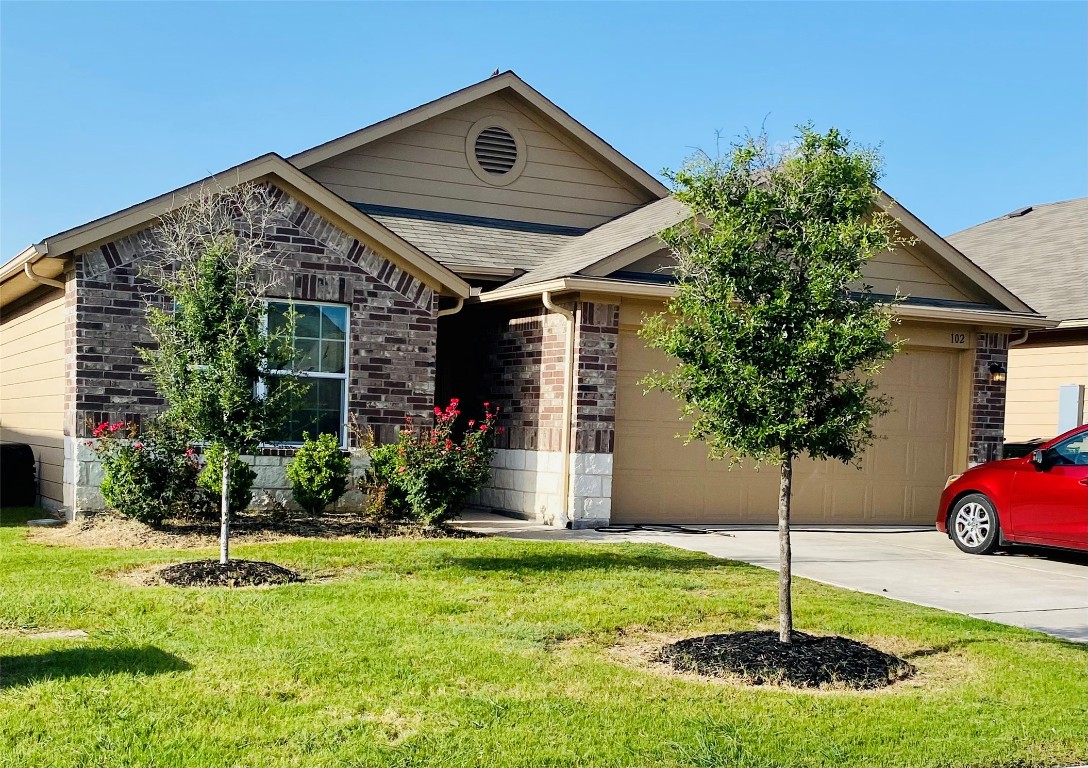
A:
[1071,452]
[320,345]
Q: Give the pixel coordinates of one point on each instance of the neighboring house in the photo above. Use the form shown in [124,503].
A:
[1040,253]
[488,246]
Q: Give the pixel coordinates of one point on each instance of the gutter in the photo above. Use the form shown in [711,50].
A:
[568,397]
[635,289]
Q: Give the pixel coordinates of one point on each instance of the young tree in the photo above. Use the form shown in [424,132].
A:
[777,338]
[214,356]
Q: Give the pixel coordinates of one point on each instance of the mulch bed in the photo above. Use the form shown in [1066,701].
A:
[250,527]
[236,573]
[810,661]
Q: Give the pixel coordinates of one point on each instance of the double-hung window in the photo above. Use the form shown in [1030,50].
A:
[320,347]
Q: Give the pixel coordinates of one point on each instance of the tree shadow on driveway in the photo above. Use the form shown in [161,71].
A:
[86,662]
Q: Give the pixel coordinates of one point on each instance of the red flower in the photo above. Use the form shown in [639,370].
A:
[437,411]
[472,422]
[501,430]
[483,427]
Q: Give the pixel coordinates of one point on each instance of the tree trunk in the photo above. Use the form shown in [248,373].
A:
[785,557]
[224,510]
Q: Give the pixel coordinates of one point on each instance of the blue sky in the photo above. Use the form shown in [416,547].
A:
[979,108]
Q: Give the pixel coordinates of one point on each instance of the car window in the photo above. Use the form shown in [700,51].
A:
[1071,452]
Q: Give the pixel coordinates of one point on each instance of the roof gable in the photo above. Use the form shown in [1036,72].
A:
[930,269]
[14,282]
[521,97]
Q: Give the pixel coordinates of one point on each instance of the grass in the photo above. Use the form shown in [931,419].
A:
[490,652]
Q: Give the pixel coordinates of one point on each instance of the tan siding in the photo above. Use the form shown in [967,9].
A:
[426,167]
[1035,373]
[907,270]
[32,384]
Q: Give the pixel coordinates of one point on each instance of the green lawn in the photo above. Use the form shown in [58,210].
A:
[490,653]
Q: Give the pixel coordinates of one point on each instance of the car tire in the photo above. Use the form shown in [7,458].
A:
[973,525]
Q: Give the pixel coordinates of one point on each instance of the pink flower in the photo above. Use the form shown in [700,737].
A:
[401,470]
[437,411]
[138,445]
[501,430]
[472,422]
[483,427]
[189,452]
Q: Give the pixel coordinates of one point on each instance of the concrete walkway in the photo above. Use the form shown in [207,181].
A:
[1040,589]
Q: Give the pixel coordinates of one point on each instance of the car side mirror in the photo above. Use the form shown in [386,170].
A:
[1038,458]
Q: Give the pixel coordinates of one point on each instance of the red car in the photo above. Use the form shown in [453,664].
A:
[1040,499]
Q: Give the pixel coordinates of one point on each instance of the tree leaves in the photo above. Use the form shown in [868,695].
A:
[776,337]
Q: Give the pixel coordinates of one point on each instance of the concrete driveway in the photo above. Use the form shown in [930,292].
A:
[1039,589]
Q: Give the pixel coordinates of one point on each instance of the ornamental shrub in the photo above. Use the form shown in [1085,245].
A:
[319,473]
[240,487]
[145,477]
[385,501]
[434,471]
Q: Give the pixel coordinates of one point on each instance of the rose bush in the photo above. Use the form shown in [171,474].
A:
[147,477]
[429,473]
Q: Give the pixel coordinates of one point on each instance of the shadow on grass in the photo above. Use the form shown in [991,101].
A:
[597,561]
[86,662]
[11,517]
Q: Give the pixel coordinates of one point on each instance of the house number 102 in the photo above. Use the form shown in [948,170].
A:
[959,338]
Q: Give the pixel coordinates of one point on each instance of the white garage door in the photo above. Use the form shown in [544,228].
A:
[656,478]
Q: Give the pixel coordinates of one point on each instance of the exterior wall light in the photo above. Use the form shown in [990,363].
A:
[997,373]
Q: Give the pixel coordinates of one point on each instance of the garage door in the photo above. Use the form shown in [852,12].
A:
[656,478]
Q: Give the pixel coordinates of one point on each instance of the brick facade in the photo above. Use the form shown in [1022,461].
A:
[393,325]
[596,353]
[524,373]
[987,423]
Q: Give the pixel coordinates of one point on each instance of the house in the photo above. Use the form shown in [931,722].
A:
[487,245]
[1040,253]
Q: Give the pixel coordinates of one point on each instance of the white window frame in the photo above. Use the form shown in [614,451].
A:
[345,376]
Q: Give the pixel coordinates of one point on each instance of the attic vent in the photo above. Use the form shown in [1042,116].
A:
[496,150]
[1018,213]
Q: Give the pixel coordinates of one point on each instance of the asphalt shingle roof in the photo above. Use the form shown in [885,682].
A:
[607,239]
[464,243]
[543,252]
[1040,255]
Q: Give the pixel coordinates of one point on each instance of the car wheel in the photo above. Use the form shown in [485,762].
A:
[973,525]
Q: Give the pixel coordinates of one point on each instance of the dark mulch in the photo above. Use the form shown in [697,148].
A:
[810,661]
[236,573]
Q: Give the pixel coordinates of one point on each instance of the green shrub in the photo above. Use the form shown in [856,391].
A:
[145,477]
[319,473]
[242,476]
[434,472]
[385,501]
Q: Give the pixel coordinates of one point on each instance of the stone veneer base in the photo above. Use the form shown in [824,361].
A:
[529,484]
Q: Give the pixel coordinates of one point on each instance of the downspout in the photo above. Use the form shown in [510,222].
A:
[452,310]
[1021,340]
[568,396]
[28,269]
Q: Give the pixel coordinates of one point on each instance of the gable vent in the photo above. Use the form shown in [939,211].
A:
[496,151]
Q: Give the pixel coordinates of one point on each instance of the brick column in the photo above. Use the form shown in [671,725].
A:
[594,415]
[987,425]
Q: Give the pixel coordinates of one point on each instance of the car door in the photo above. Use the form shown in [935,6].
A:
[1049,501]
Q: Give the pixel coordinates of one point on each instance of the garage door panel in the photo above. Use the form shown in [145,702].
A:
[658,479]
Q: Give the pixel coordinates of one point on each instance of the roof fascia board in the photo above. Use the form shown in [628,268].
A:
[28,255]
[266,167]
[465,96]
[625,257]
[655,291]
[947,251]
